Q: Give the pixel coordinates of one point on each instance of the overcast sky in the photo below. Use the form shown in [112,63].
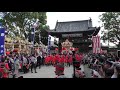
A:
[52,17]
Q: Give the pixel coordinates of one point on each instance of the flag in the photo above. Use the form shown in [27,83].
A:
[2,40]
[96,44]
[32,34]
[49,44]
[39,38]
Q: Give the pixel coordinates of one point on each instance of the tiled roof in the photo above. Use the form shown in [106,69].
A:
[73,26]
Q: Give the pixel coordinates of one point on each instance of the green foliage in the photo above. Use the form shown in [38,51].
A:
[111,24]
[24,21]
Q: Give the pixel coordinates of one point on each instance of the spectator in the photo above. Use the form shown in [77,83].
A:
[17,66]
[4,69]
[33,63]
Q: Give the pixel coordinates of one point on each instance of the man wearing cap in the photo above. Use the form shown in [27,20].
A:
[59,70]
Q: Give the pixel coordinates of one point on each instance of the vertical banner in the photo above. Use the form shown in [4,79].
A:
[96,44]
[32,39]
[32,34]
[39,38]
[49,44]
[2,40]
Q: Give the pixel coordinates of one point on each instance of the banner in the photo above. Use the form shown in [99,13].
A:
[96,44]
[49,44]
[2,41]
[32,34]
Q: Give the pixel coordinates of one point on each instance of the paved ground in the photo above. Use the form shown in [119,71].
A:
[87,71]
[48,72]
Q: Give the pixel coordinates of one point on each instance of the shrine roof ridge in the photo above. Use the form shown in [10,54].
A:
[72,21]
[71,26]
[89,29]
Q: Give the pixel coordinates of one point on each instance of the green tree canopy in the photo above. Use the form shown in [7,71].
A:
[111,24]
[20,23]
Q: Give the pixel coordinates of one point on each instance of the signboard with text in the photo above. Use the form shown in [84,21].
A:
[72,35]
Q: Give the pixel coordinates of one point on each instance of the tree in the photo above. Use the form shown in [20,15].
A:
[111,24]
[20,23]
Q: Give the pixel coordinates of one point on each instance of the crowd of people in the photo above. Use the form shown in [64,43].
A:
[104,65]
[14,63]
[101,65]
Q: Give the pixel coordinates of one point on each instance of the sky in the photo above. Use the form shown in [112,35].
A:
[52,17]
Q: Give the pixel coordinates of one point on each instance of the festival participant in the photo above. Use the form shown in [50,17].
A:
[62,58]
[33,63]
[78,72]
[70,59]
[43,58]
[59,60]
[9,63]
[65,59]
[4,69]
[81,56]
[24,64]
[116,71]
[53,59]
[11,58]
[56,58]
[17,66]
[47,60]
[59,70]
[78,57]
[39,61]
